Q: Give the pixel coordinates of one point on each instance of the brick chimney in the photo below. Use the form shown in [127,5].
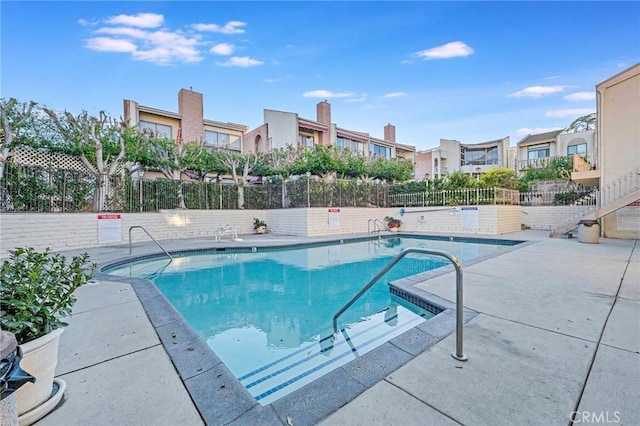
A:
[390,133]
[191,108]
[324,113]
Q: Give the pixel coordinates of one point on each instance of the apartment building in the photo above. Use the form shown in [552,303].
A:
[281,129]
[452,155]
[187,125]
[539,150]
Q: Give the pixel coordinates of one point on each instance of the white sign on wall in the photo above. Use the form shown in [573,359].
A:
[334,219]
[109,228]
[469,218]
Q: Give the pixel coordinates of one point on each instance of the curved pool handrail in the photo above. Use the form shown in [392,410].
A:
[154,240]
[458,354]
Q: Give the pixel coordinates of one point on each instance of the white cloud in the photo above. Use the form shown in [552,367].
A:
[159,47]
[581,96]
[231,27]
[106,44]
[241,61]
[222,49]
[395,95]
[449,50]
[563,113]
[325,94]
[136,34]
[141,20]
[360,99]
[140,36]
[406,62]
[536,91]
[124,31]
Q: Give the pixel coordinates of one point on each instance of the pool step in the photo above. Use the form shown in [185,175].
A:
[278,378]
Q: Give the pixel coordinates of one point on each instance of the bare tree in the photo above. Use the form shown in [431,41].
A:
[13,116]
[241,166]
[280,161]
[100,144]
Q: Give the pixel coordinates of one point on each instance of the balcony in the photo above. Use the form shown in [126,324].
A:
[539,163]
[584,172]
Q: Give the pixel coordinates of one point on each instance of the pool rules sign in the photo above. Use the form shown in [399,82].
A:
[334,219]
[109,228]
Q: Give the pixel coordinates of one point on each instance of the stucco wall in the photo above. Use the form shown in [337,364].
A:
[283,128]
[619,136]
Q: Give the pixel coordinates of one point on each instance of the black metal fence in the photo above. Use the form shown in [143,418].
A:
[49,189]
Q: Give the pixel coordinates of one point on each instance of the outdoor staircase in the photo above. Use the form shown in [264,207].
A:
[614,196]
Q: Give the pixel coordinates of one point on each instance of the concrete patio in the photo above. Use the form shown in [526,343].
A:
[557,339]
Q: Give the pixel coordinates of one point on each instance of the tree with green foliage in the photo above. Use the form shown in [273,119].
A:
[558,168]
[459,180]
[501,178]
[398,170]
[319,160]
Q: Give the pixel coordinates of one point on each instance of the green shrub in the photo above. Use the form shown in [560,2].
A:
[36,290]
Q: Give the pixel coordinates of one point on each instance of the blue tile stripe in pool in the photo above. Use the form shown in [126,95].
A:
[409,324]
[178,253]
[418,301]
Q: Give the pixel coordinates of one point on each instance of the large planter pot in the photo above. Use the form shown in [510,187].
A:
[39,358]
[261,229]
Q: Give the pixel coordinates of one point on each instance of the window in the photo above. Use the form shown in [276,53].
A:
[305,140]
[379,151]
[350,144]
[156,129]
[537,151]
[479,157]
[221,140]
[580,149]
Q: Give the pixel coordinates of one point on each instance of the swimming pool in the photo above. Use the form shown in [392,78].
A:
[267,312]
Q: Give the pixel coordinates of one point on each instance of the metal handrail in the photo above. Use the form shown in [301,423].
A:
[376,225]
[154,240]
[458,354]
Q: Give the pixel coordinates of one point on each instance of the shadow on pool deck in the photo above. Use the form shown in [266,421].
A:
[557,332]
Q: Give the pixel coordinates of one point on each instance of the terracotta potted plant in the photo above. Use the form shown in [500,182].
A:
[260,226]
[36,289]
[393,224]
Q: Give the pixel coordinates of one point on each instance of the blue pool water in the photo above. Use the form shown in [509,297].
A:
[267,314]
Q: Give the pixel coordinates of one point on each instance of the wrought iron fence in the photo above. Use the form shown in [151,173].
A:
[470,196]
[577,195]
[41,189]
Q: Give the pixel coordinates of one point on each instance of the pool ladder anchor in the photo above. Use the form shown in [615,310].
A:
[458,354]
[153,239]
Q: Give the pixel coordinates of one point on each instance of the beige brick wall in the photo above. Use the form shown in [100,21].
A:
[544,217]
[62,231]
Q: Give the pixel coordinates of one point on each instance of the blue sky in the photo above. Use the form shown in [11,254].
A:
[471,71]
